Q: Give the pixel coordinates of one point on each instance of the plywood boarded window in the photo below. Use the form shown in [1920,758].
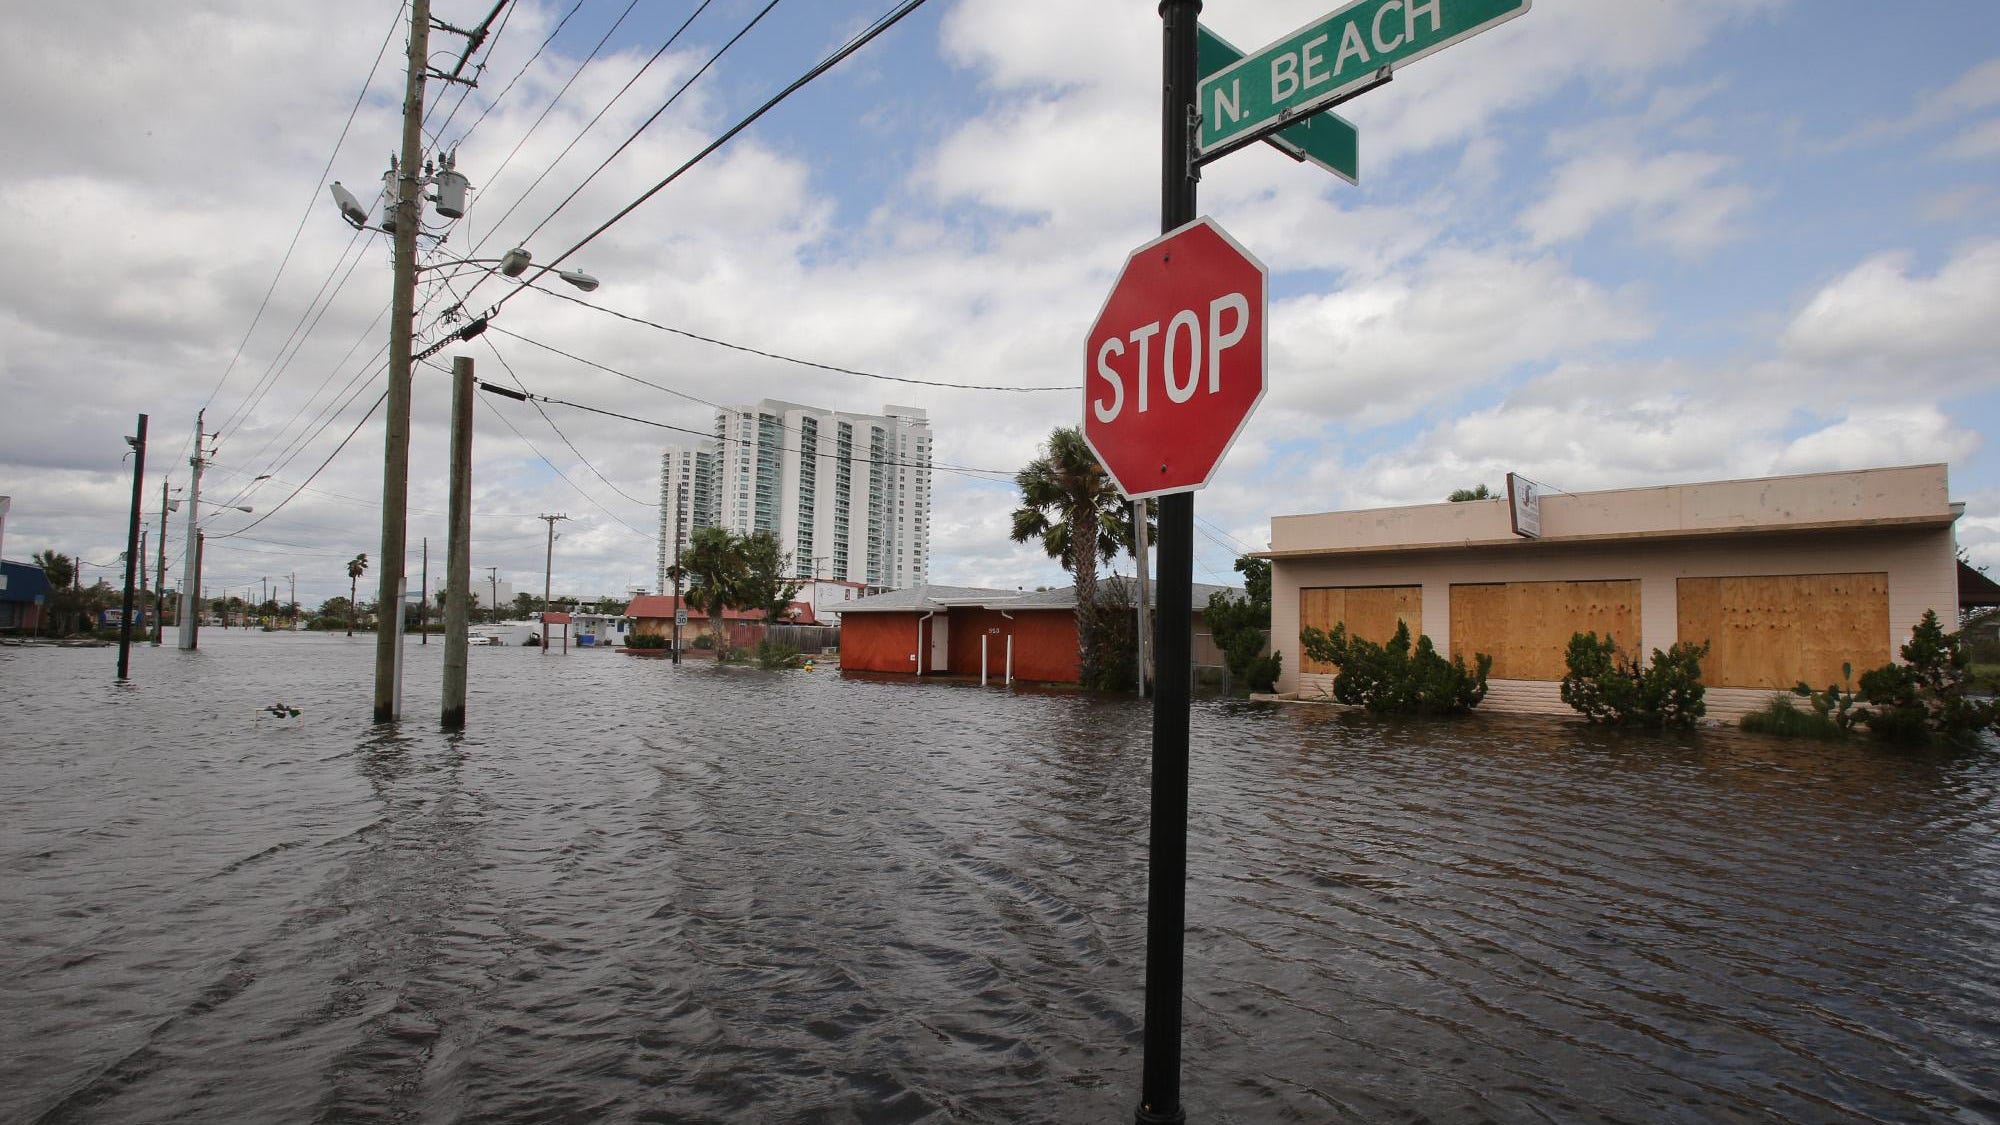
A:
[1774,631]
[1369,612]
[1526,626]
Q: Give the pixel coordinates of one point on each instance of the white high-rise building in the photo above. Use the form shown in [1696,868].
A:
[848,495]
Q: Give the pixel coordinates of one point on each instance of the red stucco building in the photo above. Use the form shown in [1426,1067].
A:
[992,635]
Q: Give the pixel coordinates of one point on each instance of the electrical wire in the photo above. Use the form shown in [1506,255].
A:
[648,123]
[592,500]
[1071,388]
[549,108]
[479,39]
[550,38]
[311,202]
[592,123]
[963,470]
[861,40]
[316,472]
[494,348]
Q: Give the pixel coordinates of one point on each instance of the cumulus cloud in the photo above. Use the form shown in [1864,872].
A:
[1884,317]
[1679,201]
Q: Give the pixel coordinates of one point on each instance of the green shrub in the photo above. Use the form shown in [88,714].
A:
[1394,678]
[645,640]
[1606,688]
[1780,717]
[704,641]
[1261,674]
[1925,698]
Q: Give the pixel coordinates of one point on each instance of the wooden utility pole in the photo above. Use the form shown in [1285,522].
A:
[548,572]
[132,563]
[408,210]
[160,576]
[458,545]
[424,602]
[191,573]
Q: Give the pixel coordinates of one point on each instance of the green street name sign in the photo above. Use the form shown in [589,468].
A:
[1325,139]
[1330,58]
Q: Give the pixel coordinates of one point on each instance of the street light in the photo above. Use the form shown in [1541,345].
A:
[515,264]
[175,506]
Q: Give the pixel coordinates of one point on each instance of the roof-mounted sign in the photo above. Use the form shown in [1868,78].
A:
[1524,504]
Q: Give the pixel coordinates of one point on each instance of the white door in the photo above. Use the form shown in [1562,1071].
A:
[940,658]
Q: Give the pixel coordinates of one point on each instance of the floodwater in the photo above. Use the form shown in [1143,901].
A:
[639,893]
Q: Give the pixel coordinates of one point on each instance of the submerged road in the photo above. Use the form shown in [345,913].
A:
[639,893]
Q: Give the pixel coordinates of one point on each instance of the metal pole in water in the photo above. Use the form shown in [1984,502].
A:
[1166,882]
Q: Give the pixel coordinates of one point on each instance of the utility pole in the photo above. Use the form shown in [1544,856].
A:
[548,573]
[191,574]
[132,563]
[292,603]
[160,576]
[1166,874]
[680,507]
[200,545]
[408,210]
[458,546]
[493,580]
[424,602]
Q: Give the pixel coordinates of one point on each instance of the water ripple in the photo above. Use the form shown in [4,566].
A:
[638,893]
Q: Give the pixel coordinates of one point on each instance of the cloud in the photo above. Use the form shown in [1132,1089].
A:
[1881,318]
[1383,350]
[1676,200]
[1879,436]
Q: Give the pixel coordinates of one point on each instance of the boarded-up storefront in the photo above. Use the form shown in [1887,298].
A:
[1369,612]
[1772,631]
[1787,578]
[1526,626]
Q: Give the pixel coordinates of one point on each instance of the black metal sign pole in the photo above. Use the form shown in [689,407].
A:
[1166,884]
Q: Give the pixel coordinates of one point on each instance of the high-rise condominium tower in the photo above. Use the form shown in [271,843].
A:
[848,495]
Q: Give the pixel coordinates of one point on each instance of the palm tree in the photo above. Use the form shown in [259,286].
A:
[1069,502]
[356,567]
[716,567]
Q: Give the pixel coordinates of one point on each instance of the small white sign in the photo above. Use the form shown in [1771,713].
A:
[681,616]
[1524,501]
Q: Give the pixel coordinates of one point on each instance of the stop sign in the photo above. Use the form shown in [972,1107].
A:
[1175,362]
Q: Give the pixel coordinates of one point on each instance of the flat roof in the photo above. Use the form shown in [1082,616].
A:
[1904,496]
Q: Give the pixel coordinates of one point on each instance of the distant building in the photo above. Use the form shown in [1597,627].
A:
[1785,578]
[24,593]
[847,495]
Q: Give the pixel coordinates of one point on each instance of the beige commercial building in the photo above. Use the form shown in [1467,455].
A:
[1786,578]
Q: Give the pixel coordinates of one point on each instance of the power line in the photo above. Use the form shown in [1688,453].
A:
[560,24]
[311,202]
[491,346]
[650,538]
[648,123]
[1072,388]
[592,123]
[316,472]
[853,45]
[546,110]
[963,470]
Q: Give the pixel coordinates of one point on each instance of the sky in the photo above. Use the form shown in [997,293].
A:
[1608,243]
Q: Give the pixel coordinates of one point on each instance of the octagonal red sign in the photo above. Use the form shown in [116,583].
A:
[1174,364]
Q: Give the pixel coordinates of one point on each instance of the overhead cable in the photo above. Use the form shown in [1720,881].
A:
[729,134]
[838,370]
